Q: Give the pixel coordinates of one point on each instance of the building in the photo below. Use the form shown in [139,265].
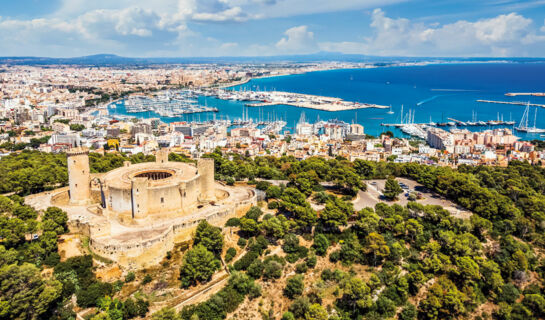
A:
[440,139]
[135,214]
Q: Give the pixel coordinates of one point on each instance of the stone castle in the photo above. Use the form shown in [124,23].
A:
[135,214]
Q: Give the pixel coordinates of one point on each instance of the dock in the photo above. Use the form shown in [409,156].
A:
[274,98]
[519,103]
[482,123]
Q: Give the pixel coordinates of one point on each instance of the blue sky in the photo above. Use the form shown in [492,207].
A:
[176,28]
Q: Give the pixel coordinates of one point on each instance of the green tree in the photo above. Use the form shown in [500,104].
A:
[408,312]
[57,217]
[165,314]
[391,189]
[443,301]
[357,295]
[275,226]
[376,246]
[316,312]
[273,192]
[333,216]
[199,265]
[294,202]
[321,244]
[209,236]
[249,226]
[24,294]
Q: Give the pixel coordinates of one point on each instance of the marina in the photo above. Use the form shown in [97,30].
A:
[456,109]
[167,104]
[523,125]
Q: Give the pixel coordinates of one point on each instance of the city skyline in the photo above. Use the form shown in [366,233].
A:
[213,28]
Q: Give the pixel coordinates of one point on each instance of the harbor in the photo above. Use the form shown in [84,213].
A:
[419,130]
[444,110]
[167,104]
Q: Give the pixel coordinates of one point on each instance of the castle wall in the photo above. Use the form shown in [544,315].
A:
[190,193]
[138,253]
[164,200]
[140,197]
[119,200]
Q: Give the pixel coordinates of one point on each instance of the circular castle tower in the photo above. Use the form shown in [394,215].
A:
[79,176]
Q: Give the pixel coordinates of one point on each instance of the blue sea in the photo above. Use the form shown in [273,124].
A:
[434,93]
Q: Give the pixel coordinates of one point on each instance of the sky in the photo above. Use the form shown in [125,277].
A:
[209,28]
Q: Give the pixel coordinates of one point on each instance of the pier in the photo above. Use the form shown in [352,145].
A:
[273,98]
[482,123]
[534,94]
[518,103]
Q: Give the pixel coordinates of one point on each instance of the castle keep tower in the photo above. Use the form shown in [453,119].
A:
[205,166]
[78,175]
[161,156]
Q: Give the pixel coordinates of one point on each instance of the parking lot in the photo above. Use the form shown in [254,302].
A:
[373,195]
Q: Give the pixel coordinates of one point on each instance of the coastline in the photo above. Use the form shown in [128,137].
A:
[241,82]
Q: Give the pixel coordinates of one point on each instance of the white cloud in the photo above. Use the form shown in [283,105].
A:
[297,40]
[143,27]
[504,35]
[231,14]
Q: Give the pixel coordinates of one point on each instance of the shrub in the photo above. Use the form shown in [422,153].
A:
[294,286]
[89,296]
[291,243]
[292,257]
[130,277]
[233,222]
[147,279]
[230,254]
[254,213]
[255,292]
[272,270]
[262,185]
[272,205]
[255,270]
[302,252]
[301,267]
[509,293]
[273,192]
[244,262]
[320,197]
[311,261]
[335,256]
[288,316]
[408,313]
[299,307]
[242,242]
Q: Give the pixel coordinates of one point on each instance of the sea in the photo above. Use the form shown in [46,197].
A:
[431,93]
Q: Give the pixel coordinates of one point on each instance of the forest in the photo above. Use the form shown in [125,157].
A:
[419,261]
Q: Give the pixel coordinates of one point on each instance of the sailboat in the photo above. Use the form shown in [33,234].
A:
[523,125]
[390,111]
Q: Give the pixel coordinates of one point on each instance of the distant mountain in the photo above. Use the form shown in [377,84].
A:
[115,60]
